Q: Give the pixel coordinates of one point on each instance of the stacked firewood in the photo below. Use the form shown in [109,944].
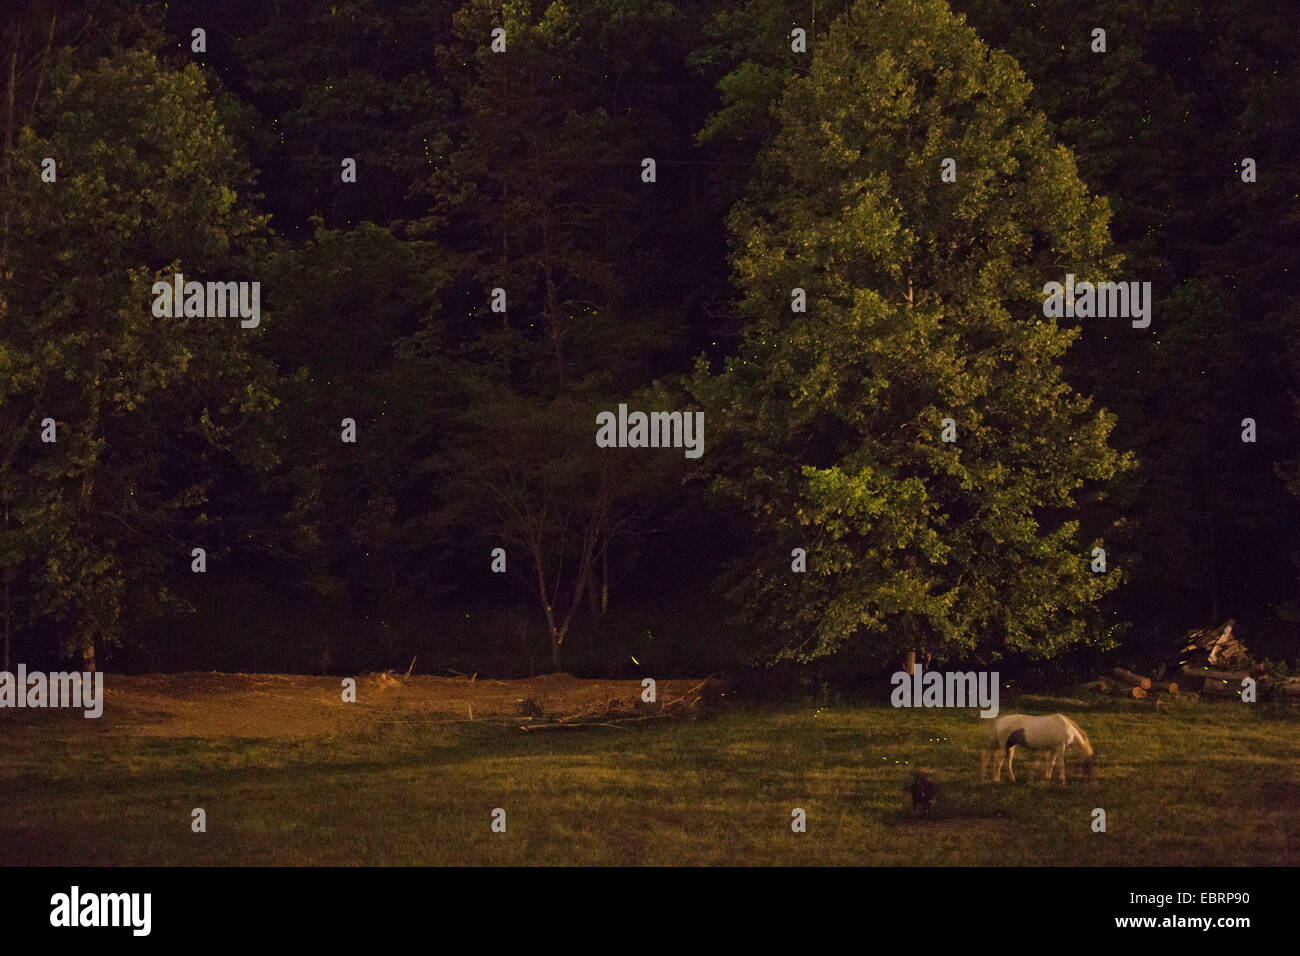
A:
[1220,661]
[1213,647]
[1209,661]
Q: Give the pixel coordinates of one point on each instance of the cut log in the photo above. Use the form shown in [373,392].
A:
[1133,680]
[1291,689]
[1209,673]
[1138,692]
[1220,688]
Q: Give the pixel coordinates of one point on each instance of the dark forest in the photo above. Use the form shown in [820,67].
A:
[464,256]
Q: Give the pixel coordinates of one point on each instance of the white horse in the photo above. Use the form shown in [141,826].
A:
[1054,733]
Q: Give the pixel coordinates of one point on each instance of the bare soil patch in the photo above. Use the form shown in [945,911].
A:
[292,705]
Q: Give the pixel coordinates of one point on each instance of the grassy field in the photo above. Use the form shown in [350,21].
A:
[1208,783]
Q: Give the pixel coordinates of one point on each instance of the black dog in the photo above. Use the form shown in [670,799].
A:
[923,791]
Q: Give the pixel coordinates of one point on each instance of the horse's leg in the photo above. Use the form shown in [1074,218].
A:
[1011,755]
[1060,758]
[998,758]
[1051,763]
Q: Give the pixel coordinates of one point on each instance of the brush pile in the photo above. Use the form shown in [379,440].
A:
[620,712]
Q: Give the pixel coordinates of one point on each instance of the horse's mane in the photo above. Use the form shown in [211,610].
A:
[1087,745]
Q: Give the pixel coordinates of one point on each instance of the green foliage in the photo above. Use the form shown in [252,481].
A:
[751,41]
[521,170]
[149,184]
[924,304]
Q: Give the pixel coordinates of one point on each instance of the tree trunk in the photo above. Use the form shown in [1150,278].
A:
[1221,688]
[8,607]
[8,157]
[551,305]
[555,654]
[593,596]
[604,580]
[1214,574]
[8,611]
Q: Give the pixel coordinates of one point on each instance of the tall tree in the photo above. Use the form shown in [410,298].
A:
[145,408]
[34,34]
[924,304]
[542,198]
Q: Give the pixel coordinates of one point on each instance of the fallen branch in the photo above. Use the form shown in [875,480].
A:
[573,723]
[697,687]
[582,724]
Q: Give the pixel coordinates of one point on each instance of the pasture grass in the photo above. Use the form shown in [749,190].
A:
[1207,784]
